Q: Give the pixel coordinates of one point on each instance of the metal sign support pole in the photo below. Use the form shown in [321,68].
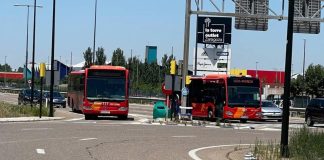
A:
[285,118]
[41,97]
[186,49]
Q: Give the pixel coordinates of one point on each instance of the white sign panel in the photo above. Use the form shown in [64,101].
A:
[213,60]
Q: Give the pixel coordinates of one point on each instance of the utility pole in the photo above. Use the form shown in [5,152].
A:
[33,57]
[26,60]
[137,72]
[5,69]
[186,50]
[256,69]
[94,34]
[285,118]
[71,62]
[51,113]
[196,48]
[303,73]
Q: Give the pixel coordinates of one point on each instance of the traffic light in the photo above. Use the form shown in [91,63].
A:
[173,67]
[188,80]
[42,70]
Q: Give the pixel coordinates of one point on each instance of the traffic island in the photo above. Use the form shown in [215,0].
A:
[29,119]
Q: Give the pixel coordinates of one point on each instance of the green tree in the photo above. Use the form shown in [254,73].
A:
[314,76]
[87,55]
[297,85]
[166,60]
[20,69]
[118,58]
[5,68]
[101,57]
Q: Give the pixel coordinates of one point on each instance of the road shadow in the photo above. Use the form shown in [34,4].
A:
[114,118]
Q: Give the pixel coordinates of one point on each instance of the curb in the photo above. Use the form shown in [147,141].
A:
[29,119]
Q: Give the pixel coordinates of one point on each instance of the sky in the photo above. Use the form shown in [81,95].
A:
[131,25]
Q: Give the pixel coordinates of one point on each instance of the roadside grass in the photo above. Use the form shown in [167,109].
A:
[304,144]
[8,110]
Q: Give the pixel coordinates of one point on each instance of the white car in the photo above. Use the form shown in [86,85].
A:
[270,111]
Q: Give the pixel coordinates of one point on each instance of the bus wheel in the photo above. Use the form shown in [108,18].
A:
[72,106]
[123,117]
[210,115]
[88,117]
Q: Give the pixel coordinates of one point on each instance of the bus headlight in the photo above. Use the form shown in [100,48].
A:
[258,114]
[123,109]
[229,113]
[87,107]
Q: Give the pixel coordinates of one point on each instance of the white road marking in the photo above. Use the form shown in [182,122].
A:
[183,136]
[193,155]
[74,119]
[40,151]
[144,120]
[140,115]
[270,129]
[35,129]
[107,125]
[87,139]
[86,122]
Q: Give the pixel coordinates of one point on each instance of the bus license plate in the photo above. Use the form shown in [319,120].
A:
[105,112]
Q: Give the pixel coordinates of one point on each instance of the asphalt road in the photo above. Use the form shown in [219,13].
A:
[114,139]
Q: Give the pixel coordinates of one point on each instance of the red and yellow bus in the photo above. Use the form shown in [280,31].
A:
[99,90]
[226,97]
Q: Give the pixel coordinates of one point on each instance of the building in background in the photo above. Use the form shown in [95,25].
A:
[151,54]
[61,72]
[11,75]
[272,81]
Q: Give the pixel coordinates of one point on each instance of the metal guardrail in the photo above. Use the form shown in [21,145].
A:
[154,99]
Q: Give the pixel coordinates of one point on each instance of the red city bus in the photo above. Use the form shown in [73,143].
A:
[75,92]
[104,91]
[226,97]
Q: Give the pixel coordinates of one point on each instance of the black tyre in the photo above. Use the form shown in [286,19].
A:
[88,117]
[123,117]
[210,115]
[73,109]
[243,120]
[309,121]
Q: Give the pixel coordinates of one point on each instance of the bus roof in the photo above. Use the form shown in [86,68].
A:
[77,72]
[211,76]
[107,67]
[215,76]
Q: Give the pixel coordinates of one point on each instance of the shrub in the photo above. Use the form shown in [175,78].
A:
[11,110]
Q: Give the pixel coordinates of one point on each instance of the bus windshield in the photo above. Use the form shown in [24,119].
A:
[106,88]
[243,96]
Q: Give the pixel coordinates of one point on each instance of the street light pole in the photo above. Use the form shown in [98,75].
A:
[94,34]
[256,69]
[51,112]
[285,117]
[33,57]
[304,72]
[26,63]
[186,50]
[5,69]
